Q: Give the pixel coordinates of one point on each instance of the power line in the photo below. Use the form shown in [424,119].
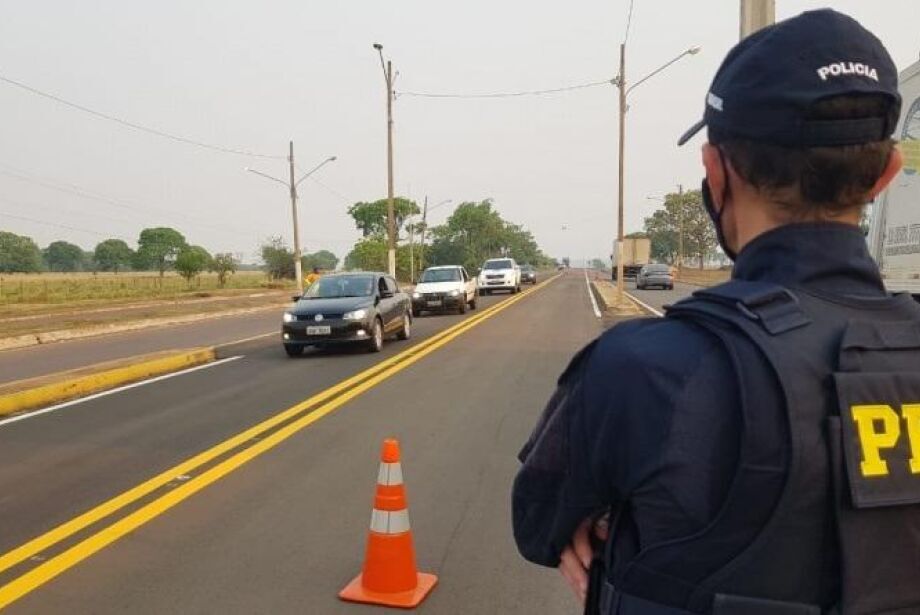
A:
[62,226]
[569,88]
[628,21]
[83,193]
[135,125]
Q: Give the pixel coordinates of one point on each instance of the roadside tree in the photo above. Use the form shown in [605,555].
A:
[323,259]
[191,261]
[371,218]
[224,265]
[112,255]
[157,248]
[63,256]
[19,254]
[277,259]
[683,217]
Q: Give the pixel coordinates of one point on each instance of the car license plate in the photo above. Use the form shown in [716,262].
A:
[319,330]
[434,303]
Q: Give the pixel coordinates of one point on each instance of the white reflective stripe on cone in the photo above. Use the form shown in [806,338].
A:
[390,522]
[390,474]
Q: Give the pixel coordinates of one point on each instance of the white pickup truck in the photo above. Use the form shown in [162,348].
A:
[894,234]
[444,288]
[499,274]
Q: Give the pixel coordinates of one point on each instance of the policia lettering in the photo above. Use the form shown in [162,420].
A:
[879,428]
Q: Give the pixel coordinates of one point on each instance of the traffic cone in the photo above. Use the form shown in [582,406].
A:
[389,576]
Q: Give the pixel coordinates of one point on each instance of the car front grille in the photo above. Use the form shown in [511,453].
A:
[312,317]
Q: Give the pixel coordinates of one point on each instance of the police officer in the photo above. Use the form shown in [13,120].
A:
[757,451]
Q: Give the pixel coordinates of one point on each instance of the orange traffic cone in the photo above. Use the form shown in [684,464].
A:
[389,576]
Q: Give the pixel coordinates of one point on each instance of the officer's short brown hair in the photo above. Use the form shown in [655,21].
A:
[814,181]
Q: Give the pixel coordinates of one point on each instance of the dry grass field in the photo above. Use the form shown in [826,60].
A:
[703,277]
[57,288]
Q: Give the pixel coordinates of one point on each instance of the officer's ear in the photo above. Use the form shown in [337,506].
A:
[715,172]
[895,162]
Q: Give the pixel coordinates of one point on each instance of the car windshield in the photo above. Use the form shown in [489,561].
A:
[527,268]
[334,287]
[441,275]
[499,264]
[658,269]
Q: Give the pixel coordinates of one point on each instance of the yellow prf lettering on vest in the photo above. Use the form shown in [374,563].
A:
[873,440]
[911,414]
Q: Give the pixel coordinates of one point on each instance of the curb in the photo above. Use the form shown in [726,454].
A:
[49,337]
[79,383]
[606,306]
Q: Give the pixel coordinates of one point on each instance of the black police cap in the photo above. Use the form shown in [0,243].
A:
[769,82]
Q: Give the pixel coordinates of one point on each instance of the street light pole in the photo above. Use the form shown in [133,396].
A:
[291,185]
[680,227]
[620,82]
[621,86]
[298,264]
[391,215]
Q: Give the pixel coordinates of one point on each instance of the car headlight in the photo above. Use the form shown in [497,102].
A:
[416,295]
[454,293]
[354,315]
[288,317]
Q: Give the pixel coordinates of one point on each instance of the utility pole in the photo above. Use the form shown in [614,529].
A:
[411,229]
[387,67]
[756,14]
[421,249]
[298,266]
[621,86]
[680,227]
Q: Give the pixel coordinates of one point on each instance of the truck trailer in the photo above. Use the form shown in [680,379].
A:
[894,233]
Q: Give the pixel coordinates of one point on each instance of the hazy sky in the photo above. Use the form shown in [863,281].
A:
[253,75]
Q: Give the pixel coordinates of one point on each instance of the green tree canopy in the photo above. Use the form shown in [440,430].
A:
[19,254]
[323,259]
[476,232]
[277,259]
[682,220]
[371,218]
[63,256]
[112,255]
[224,265]
[157,248]
[191,261]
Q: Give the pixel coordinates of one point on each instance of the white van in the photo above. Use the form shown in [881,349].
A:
[894,234]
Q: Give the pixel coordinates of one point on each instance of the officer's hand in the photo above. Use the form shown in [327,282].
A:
[576,558]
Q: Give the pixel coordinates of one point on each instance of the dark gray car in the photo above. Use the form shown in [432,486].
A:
[347,308]
[655,275]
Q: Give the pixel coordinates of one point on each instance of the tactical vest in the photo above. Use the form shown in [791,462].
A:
[824,516]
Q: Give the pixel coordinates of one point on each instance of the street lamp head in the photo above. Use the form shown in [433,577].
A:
[333,158]
[247,169]
[378,46]
[694,50]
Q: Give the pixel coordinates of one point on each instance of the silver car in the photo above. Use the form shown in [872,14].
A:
[655,275]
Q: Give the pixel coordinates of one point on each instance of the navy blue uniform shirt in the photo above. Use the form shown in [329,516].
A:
[648,416]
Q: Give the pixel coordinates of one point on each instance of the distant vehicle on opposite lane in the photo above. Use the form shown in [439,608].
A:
[499,274]
[444,288]
[655,275]
[347,308]
[528,274]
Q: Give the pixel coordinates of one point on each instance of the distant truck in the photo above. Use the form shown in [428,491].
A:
[894,233]
[636,254]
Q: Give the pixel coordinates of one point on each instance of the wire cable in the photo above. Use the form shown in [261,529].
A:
[628,21]
[135,125]
[569,88]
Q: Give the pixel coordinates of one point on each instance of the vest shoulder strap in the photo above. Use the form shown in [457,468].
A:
[771,306]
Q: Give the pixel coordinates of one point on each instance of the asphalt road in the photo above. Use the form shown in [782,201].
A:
[657,298]
[50,358]
[284,531]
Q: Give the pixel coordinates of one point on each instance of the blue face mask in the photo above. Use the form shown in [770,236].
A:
[716,216]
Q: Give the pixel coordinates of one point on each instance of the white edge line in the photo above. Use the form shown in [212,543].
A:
[597,311]
[644,305]
[248,339]
[73,402]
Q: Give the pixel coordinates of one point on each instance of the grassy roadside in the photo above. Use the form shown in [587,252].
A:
[703,277]
[22,292]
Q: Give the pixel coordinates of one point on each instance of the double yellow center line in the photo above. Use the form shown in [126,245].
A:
[296,418]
